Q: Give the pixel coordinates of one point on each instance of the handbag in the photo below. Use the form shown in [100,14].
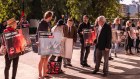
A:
[54,67]
[2,50]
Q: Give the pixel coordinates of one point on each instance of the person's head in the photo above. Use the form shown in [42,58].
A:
[85,19]
[101,20]
[117,20]
[128,23]
[70,22]
[60,23]
[48,16]
[12,23]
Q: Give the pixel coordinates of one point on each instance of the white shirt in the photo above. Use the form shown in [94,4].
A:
[99,30]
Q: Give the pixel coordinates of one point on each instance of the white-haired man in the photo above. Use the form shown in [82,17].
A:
[103,44]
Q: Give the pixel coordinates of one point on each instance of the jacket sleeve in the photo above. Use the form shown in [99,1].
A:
[80,30]
[109,37]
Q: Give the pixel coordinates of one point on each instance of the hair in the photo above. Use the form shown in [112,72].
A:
[86,16]
[101,18]
[116,20]
[48,14]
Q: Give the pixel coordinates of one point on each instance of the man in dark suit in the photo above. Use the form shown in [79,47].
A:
[103,44]
[85,50]
[70,32]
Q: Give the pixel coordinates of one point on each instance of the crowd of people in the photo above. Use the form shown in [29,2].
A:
[109,37]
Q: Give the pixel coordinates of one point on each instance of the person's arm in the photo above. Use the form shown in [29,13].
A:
[80,31]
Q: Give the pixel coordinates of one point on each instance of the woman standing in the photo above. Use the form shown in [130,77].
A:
[44,26]
[11,27]
[116,27]
[58,34]
[129,38]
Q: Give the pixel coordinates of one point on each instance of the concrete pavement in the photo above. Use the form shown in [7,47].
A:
[123,67]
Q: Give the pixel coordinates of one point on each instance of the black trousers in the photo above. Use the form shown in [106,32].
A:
[84,53]
[129,44]
[7,66]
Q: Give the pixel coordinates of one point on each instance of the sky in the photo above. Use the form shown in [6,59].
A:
[127,1]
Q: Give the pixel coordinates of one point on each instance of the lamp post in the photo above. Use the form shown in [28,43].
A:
[137,3]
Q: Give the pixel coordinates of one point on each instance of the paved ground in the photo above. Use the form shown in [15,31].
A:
[123,67]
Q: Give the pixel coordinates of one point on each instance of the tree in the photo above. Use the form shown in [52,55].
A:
[94,8]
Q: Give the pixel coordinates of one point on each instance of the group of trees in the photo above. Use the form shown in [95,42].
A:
[76,8]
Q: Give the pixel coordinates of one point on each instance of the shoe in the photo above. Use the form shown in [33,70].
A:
[82,64]
[131,53]
[69,65]
[110,58]
[104,74]
[95,71]
[62,72]
[86,65]
[115,55]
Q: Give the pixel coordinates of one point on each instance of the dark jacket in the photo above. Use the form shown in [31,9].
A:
[43,26]
[72,34]
[83,26]
[105,38]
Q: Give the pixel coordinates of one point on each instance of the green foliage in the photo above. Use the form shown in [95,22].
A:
[93,8]
[74,8]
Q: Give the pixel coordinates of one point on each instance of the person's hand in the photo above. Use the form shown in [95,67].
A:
[106,49]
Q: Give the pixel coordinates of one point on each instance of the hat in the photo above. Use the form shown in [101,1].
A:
[60,22]
[10,22]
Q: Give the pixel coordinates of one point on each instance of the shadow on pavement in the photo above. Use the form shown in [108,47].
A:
[66,76]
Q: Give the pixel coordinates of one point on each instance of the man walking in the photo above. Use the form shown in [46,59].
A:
[103,44]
